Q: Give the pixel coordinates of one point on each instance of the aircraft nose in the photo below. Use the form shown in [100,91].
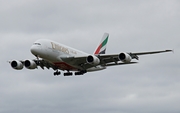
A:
[35,50]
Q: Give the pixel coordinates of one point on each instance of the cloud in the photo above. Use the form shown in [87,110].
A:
[152,85]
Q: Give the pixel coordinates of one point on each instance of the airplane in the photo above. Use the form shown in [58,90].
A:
[51,54]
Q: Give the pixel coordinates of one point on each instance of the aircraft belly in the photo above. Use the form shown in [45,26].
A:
[65,66]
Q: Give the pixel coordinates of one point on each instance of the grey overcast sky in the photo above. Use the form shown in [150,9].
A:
[151,86]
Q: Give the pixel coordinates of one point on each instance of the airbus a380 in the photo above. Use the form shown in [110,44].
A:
[51,54]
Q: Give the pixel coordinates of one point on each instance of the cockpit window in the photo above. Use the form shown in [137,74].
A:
[37,44]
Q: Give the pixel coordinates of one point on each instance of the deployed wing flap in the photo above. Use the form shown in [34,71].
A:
[121,63]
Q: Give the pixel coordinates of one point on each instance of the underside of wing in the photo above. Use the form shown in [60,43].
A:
[124,58]
[114,59]
[86,62]
[80,63]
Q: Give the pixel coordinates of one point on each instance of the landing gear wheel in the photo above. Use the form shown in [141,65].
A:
[80,72]
[68,74]
[38,61]
[57,73]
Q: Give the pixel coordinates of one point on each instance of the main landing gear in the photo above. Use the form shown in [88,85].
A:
[68,74]
[56,73]
[80,72]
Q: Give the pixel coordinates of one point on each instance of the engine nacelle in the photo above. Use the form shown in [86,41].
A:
[91,59]
[15,64]
[125,57]
[30,64]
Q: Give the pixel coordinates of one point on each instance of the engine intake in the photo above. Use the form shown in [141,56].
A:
[30,64]
[125,57]
[16,65]
[91,59]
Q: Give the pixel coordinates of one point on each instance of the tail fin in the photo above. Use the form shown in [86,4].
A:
[101,48]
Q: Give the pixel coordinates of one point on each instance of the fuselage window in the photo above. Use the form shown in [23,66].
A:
[37,44]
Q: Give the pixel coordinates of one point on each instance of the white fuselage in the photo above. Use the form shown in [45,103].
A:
[54,52]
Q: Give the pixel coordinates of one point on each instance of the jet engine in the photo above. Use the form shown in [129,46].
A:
[16,65]
[30,64]
[91,59]
[125,57]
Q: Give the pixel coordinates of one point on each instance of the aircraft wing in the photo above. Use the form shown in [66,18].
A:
[114,57]
[107,59]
